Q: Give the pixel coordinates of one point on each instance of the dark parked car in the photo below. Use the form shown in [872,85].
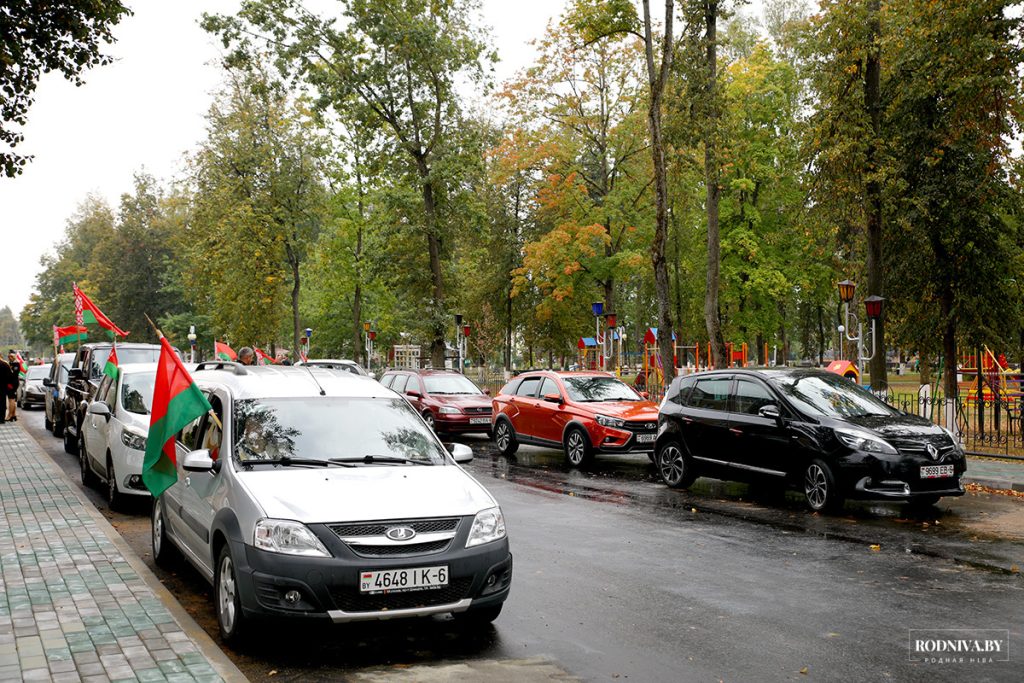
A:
[55,385]
[84,377]
[448,401]
[814,430]
[31,391]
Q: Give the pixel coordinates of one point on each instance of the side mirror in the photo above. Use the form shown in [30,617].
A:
[76,374]
[198,461]
[99,408]
[771,411]
[644,394]
[553,398]
[47,382]
[487,392]
[461,452]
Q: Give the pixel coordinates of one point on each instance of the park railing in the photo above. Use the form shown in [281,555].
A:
[992,426]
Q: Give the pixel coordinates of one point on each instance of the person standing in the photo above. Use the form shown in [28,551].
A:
[246,356]
[8,389]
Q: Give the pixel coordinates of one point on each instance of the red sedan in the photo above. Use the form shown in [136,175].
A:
[583,413]
[448,401]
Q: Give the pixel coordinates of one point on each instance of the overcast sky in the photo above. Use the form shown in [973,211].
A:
[144,112]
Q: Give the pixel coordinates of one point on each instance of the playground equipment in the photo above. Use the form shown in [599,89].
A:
[845,368]
[998,380]
[590,353]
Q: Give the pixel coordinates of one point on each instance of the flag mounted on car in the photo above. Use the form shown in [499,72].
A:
[69,334]
[110,369]
[86,312]
[223,352]
[263,358]
[176,402]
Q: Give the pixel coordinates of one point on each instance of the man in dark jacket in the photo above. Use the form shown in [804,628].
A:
[8,389]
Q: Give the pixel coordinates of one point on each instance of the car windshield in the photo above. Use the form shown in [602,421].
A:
[65,365]
[591,389]
[830,395]
[124,357]
[137,392]
[332,428]
[449,384]
[37,372]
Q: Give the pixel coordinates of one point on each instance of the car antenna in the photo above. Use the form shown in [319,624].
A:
[313,377]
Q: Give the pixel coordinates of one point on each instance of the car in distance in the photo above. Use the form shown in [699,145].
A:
[448,401]
[334,364]
[55,385]
[319,495]
[84,378]
[583,413]
[114,433]
[810,429]
[31,391]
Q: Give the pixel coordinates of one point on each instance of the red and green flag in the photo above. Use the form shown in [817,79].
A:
[110,369]
[224,352]
[22,365]
[88,313]
[176,402]
[69,334]
[263,358]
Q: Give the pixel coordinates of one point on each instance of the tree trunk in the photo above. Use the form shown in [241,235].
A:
[358,347]
[712,317]
[821,335]
[656,81]
[508,329]
[872,102]
[949,344]
[925,367]
[296,332]
[437,308]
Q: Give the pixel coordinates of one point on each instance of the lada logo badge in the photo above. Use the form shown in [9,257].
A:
[652,425]
[932,451]
[400,533]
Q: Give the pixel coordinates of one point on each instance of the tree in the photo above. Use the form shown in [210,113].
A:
[36,37]
[391,67]
[9,335]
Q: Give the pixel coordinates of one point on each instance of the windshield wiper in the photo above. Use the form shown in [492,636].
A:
[287,461]
[373,459]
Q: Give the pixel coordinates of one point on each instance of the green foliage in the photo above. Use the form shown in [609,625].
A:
[37,37]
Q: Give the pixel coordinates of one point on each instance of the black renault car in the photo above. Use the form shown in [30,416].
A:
[811,429]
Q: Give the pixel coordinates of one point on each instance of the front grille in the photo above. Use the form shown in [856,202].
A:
[482,410]
[642,427]
[420,526]
[400,550]
[918,447]
[351,600]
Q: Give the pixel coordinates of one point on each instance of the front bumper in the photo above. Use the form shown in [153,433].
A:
[614,440]
[463,424]
[329,587]
[33,400]
[900,478]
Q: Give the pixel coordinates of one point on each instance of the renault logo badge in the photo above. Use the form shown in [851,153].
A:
[932,451]
[400,533]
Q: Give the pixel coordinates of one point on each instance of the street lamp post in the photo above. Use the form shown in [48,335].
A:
[368,340]
[458,340]
[192,343]
[873,308]
[597,308]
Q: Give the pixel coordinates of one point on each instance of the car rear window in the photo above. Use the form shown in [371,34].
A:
[710,394]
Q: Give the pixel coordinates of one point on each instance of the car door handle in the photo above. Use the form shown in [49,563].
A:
[736,431]
[687,420]
[188,481]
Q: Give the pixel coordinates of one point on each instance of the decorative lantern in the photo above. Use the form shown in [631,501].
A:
[846,290]
[597,307]
[873,304]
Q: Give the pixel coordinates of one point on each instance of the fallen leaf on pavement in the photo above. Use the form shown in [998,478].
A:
[876,547]
[804,671]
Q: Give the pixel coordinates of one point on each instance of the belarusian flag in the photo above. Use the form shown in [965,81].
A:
[110,369]
[22,365]
[263,358]
[87,312]
[176,402]
[70,334]
[223,351]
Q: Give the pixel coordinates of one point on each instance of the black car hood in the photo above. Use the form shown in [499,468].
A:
[895,425]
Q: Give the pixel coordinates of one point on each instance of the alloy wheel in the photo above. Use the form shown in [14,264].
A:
[226,594]
[816,486]
[502,436]
[575,447]
[429,418]
[671,465]
[158,528]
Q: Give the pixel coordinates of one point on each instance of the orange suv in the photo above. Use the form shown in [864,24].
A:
[583,413]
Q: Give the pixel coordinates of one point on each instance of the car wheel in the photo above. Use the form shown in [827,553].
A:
[675,467]
[88,478]
[428,417]
[47,422]
[505,438]
[114,497]
[165,553]
[477,617]
[820,487]
[577,447]
[70,443]
[230,618]
[58,426]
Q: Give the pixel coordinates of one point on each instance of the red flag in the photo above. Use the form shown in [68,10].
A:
[87,312]
[224,352]
[263,358]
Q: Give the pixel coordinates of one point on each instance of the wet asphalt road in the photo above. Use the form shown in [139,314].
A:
[617,577]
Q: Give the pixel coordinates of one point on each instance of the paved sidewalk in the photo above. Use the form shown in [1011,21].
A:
[997,474]
[75,604]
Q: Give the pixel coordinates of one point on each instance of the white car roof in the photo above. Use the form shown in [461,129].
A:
[283,381]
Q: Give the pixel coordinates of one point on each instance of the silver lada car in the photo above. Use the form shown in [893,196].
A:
[324,495]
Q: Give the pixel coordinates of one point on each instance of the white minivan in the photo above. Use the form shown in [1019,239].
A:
[316,494]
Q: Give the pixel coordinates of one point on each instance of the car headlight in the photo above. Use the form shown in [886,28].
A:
[952,437]
[449,410]
[133,440]
[488,525]
[606,421]
[863,441]
[287,537]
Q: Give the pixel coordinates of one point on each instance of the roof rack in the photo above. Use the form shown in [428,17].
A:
[236,368]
